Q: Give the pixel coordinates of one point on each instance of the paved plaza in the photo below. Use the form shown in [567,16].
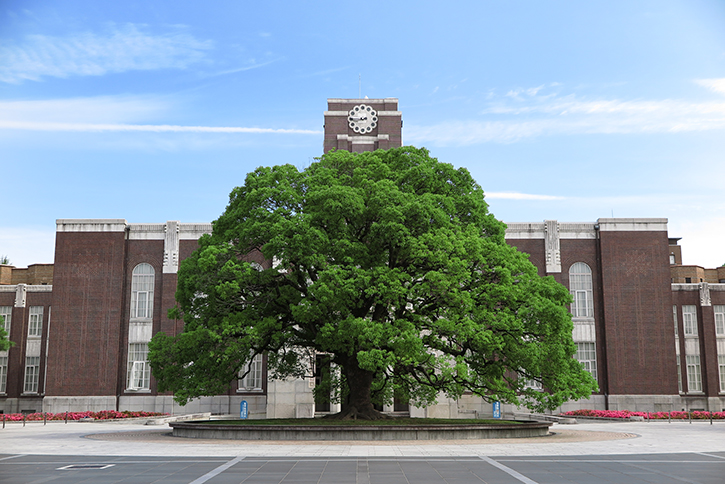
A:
[635,452]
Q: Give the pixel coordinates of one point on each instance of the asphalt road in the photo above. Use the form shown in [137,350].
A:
[644,468]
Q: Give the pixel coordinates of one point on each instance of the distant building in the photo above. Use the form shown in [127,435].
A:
[650,330]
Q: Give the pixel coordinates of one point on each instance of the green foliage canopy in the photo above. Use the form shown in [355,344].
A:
[389,262]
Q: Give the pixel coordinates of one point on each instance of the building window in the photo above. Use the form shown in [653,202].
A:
[3,373]
[674,317]
[679,375]
[32,372]
[694,378]
[586,354]
[139,371]
[253,381]
[688,280]
[35,322]
[689,320]
[580,286]
[719,310]
[142,291]
[721,367]
[6,312]
[672,258]
[534,385]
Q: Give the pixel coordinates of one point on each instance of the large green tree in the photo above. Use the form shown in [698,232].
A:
[390,263]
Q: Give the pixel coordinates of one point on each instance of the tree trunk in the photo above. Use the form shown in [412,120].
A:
[359,383]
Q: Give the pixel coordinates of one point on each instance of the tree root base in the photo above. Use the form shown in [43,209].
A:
[353,413]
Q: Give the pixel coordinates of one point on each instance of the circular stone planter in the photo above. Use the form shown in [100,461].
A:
[204,430]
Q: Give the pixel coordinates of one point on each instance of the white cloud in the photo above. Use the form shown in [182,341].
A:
[108,114]
[520,196]
[511,121]
[156,128]
[717,85]
[254,65]
[120,49]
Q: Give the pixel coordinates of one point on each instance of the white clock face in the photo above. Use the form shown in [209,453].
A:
[362,119]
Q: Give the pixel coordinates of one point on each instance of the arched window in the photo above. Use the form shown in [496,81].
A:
[142,291]
[580,286]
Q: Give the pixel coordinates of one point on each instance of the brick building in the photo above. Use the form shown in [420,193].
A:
[651,330]
[25,305]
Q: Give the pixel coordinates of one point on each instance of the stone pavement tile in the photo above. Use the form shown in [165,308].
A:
[582,439]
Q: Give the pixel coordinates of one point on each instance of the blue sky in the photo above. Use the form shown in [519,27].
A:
[154,111]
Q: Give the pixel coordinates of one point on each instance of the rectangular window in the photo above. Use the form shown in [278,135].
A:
[721,368]
[141,309]
[674,316]
[694,378]
[253,381]
[35,321]
[581,304]
[6,312]
[719,310]
[32,372]
[679,375]
[689,320]
[3,373]
[534,385]
[586,354]
[139,371]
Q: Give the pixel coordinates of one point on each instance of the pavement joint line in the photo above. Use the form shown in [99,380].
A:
[710,455]
[516,475]
[217,471]
[12,457]
[617,461]
[177,461]
[669,475]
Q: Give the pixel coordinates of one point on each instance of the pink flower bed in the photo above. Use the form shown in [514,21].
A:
[649,415]
[102,415]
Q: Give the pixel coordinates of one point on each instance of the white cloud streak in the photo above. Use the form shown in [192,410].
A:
[717,85]
[121,48]
[110,114]
[156,128]
[520,196]
[528,117]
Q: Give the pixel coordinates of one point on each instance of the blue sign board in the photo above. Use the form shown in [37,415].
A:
[496,409]
[243,409]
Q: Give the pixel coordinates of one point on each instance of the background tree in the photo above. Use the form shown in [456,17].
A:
[5,344]
[4,260]
[390,263]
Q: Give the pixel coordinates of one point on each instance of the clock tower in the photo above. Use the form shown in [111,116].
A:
[359,125]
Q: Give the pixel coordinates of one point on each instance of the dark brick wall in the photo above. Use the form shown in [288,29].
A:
[638,313]
[535,249]
[87,322]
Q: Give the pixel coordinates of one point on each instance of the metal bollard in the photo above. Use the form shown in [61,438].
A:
[45,418]
[710,418]
[23,420]
[689,416]
[66,417]
[669,417]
